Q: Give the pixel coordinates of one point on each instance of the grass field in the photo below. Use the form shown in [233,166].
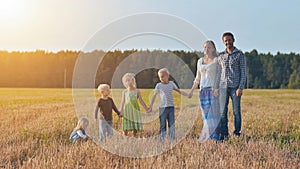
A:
[36,123]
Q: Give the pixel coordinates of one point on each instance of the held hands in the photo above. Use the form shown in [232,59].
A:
[216,92]
[149,110]
[121,114]
[190,95]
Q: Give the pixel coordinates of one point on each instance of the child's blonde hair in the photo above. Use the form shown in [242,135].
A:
[164,70]
[81,123]
[101,87]
[129,76]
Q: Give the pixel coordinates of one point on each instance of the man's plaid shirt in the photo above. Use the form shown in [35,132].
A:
[231,70]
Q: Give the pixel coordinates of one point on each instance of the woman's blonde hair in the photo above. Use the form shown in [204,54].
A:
[129,76]
[81,123]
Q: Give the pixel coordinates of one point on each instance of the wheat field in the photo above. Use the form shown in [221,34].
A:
[36,124]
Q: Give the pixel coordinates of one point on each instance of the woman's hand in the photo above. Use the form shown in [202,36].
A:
[216,92]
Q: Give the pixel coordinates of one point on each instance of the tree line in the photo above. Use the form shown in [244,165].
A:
[55,70]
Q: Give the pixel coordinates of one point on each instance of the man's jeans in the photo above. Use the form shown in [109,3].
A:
[225,93]
[167,114]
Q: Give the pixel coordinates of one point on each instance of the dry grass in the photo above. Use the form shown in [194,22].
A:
[36,123]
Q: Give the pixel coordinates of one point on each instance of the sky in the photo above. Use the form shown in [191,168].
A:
[53,25]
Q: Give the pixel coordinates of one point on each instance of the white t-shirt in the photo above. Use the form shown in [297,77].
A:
[166,93]
[206,73]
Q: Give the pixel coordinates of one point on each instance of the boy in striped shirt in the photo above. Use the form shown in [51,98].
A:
[166,103]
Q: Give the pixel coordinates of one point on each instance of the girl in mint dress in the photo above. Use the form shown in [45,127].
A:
[132,118]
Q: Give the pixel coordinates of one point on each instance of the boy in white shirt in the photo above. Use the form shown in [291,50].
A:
[166,103]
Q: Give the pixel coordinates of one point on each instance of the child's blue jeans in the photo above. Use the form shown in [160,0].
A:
[105,129]
[166,114]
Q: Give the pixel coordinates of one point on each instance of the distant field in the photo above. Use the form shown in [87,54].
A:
[36,124]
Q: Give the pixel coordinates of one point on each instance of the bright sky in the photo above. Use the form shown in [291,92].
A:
[53,25]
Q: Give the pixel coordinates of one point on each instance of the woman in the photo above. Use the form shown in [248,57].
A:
[205,78]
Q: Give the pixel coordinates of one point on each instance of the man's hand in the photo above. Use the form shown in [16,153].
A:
[239,92]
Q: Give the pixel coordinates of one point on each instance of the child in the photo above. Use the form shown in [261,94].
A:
[166,103]
[78,134]
[106,105]
[130,109]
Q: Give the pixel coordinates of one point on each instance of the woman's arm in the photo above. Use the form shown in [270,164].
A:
[197,79]
[195,85]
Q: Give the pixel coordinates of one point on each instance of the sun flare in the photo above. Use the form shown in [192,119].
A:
[11,9]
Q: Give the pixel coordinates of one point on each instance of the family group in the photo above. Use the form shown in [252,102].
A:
[219,77]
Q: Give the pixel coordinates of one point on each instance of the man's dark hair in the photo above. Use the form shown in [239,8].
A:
[227,34]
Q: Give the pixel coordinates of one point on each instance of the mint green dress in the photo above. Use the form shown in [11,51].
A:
[132,119]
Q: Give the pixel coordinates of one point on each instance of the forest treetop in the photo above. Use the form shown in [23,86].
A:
[55,69]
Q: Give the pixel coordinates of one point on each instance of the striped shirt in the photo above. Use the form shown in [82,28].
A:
[166,93]
[232,69]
